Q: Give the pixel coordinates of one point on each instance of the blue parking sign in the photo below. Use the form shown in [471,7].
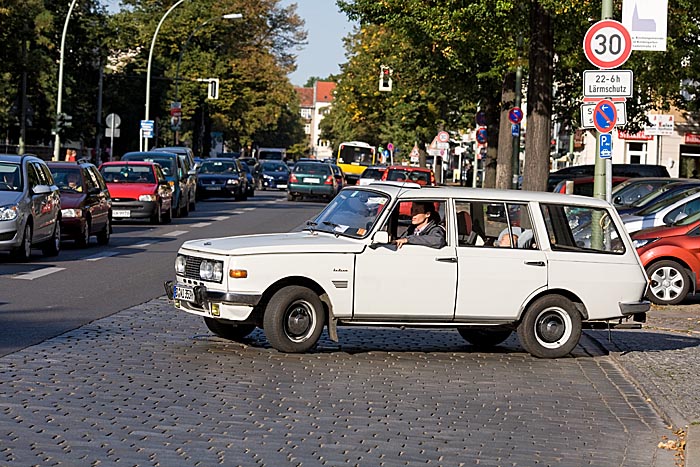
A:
[605,144]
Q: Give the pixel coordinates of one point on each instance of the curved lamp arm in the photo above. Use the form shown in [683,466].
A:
[59,98]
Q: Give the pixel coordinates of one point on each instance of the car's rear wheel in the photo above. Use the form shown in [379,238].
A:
[294,319]
[104,235]
[168,216]
[484,337]
[551,327]
[228,330]
[157,216]
[291,197]
[84,239]
[669,283]
[53,246]
[24,250]
[193,204]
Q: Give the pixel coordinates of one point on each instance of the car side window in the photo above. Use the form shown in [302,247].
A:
[160,174]
[44,174]
[400,218]
[581,229]
[90,182]
[32,176]
[97,178]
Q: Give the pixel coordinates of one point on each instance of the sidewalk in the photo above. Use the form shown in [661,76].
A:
[663,357]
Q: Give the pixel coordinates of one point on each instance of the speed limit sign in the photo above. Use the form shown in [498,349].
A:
[607,44]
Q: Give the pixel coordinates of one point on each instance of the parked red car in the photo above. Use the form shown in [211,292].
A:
[139,190]
[85,202]
[671,256]
[405,173]
[584,185]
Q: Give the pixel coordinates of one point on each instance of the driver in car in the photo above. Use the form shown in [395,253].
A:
[425,228]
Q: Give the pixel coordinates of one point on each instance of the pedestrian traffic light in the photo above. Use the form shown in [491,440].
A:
[385,81]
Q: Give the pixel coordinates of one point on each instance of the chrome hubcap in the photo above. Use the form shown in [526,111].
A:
[300,321]
[667,283]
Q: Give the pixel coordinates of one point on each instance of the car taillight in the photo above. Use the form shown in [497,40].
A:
[329,180]
[432,178]
[293,178]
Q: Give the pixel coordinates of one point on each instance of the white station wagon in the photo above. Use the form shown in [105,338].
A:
[344,269]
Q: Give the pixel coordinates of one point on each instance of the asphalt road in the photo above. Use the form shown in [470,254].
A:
[48,296]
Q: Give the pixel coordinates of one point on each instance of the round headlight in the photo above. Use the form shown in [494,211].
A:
[206,270]
[218,272]
[180,263]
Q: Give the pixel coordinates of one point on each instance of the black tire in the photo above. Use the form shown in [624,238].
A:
[24,251]
[229,330]
[168,216]
[178,211]
[291,197]
[106,233]
[484,338]
[185,209]
[84,240]
[294,319]
[551,327]
[53,245]
[193,204]
[157,217]
[669,283]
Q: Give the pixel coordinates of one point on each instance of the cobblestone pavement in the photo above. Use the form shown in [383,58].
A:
[149,386]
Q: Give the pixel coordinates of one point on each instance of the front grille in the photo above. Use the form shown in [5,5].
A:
[7,236]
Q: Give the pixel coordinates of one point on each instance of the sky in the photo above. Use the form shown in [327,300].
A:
[326,27]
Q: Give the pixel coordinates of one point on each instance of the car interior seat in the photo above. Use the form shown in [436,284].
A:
[465,233]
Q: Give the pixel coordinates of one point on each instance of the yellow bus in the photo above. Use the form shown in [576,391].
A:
[354,157]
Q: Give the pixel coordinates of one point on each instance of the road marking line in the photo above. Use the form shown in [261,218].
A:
[220,218]
[175,233]
[248,209]
[138,245]
[200,224]
[30,276]
[238,211]
[104,254]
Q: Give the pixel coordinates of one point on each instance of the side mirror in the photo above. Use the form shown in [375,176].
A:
[192,172]
[381,237]
[41,189]
[617,200]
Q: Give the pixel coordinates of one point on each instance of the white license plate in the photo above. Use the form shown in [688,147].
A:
[184,293]
[211,188]
[312,180]
[283,187]
[121,213]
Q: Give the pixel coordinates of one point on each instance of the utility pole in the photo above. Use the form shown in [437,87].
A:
[601,176]
[518,100]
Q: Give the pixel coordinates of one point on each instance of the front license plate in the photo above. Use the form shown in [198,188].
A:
[312,180]
[121,213]
[211,187]
[184,293]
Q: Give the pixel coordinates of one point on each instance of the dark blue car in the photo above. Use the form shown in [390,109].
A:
[273,175]
[175,174]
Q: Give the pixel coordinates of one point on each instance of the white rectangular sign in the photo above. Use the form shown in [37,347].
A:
[607,83]
[646,21]
[587,114]
[661,125]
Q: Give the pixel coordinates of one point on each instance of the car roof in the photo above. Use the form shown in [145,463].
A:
[66,164]
[408,168]
[17,158]
[218,159]
[413,190]
[113,163]
[150,154]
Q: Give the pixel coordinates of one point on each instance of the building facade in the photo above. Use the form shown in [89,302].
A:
[315,104]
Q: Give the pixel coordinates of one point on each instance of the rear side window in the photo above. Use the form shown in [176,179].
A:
[581,229]
[494,224]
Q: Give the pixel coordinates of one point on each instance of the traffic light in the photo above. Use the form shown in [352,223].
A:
[385,78]
[63,121]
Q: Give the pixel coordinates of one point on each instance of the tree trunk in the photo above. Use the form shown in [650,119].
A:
[539,100]
[504,167]
[491,108]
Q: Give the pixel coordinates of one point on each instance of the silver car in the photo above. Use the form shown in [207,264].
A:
[30,207]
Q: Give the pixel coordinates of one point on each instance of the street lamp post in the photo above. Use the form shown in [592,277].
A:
[143,141]
[59,98]
[184,47]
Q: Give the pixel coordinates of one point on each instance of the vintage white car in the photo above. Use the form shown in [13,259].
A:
[345,269]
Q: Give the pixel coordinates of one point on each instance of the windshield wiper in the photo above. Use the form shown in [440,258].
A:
[310,226]
[334,225]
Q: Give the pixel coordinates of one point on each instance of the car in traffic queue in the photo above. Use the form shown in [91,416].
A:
[311,178]
[339,177]
[174,169]
[671,256]
[139,190]
[371,174]
[189,167]
[272,175]
[405,173]
[583,186]
[222,177]
[338,270]
[30,207]
[86,206]
[250,180]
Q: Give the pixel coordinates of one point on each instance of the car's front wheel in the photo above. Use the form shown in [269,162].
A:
[24,250]
[84,239]
[104,235]
[53,245]
[294,319]
[551,327]
[227,330]
[668,283]
[484,338]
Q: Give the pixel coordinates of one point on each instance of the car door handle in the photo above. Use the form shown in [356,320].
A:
[446,260]
[535,263]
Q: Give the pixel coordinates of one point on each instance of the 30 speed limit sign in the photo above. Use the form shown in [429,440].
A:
[607,44]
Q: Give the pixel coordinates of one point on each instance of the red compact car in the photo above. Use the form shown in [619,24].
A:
[405,173]
[139,190]
[671,256]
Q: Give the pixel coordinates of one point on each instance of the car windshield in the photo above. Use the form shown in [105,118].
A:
[374,174]
[128,174]
[167,164]
[217,167]
[688,220]
[10,177]
[659,205]
[274,167]
[352,213]
[662,193]
[67,179]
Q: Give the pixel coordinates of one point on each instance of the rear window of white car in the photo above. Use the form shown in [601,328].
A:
[581,229]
